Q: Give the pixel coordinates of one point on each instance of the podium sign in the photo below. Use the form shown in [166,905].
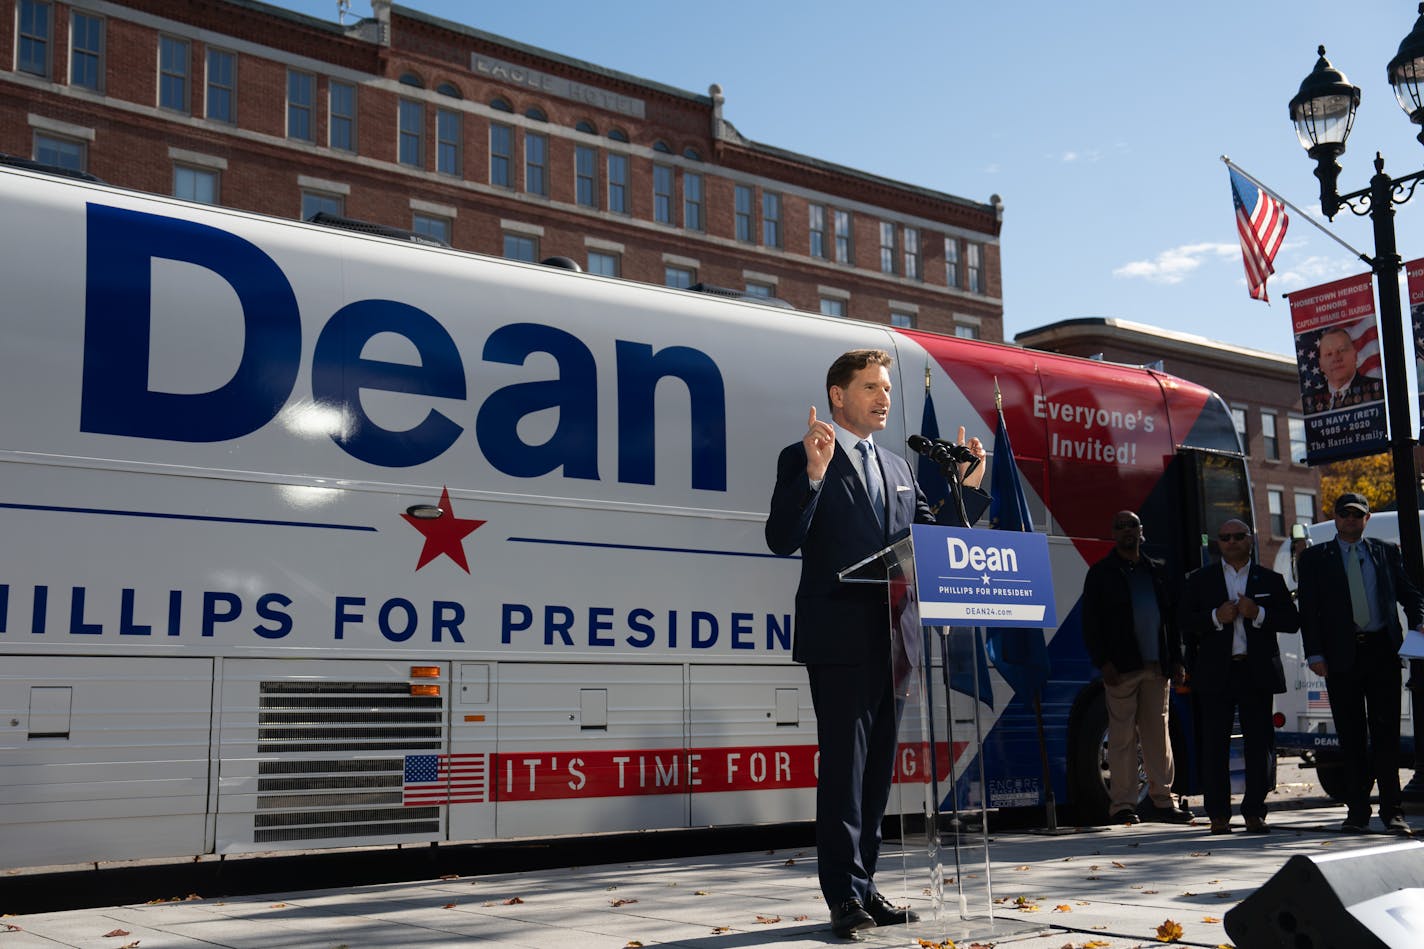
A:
[969,577]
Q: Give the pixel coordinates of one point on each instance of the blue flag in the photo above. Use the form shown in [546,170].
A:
[936,489]
[1020,655]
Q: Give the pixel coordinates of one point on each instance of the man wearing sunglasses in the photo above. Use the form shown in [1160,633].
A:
[1230,614]
[1351,635]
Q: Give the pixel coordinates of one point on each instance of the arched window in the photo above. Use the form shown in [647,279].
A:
[662,146]
[448,89]
[618,135]
[535,113]
[411,79]
[692,153]
[501,105]
[585,125]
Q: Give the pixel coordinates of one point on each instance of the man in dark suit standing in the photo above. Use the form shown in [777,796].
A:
[1130,631]
[1351,635]
[1230,614]
[838,499]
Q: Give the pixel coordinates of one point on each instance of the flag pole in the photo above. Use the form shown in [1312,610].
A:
[1272,192]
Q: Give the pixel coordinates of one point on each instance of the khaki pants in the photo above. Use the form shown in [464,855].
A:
[1137,712]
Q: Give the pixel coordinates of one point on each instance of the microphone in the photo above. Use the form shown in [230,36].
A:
[921,445]
[940,450]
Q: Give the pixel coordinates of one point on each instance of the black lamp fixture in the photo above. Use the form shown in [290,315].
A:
[1324,112]
[1406,70]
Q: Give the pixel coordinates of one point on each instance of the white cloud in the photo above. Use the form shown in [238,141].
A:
[1173,265]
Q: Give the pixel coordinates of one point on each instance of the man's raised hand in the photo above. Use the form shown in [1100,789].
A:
[820,444]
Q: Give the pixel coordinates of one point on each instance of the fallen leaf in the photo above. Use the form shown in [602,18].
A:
[450,876]
[1094,878]
[800,919]
[790,862]
[1225,895]
[1063,908]
[1151,892]
[621,902]
[117,932]
[1092,866]
[1103,926]
[130,945]
[513,901]
[633,944]
[1135,886]
[1024,867]
[1084,902]
[1210,919]
[699,892]
[1119,864]
[719,930]
[279,906]
[767,920]
[1096,944]
[1169,931]
[448,906]
[1200,853]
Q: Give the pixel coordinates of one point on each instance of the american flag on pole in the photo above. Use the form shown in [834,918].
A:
[444,779]
[1261,221]
[1317,701]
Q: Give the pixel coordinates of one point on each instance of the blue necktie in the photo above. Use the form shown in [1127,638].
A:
[873,486]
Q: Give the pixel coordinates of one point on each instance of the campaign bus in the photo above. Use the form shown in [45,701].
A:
[320,539]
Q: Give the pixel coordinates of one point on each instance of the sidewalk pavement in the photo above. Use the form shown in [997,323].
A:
[1107,889]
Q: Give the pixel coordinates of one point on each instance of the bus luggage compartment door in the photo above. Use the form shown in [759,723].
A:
[590,748]
[102,758]
[333,753]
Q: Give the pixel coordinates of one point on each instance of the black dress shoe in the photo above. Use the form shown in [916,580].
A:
[849,918]
[886,913]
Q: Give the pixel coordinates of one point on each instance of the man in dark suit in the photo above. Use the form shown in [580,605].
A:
[1130,631]
[838,499]
[1351,635]
[1230,614]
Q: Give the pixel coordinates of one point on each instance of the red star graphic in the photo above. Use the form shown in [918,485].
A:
[444,534]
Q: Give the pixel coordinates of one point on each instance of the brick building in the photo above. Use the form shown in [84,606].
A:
[1262,390]
[490,145]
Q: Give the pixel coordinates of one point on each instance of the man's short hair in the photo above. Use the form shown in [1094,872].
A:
[845,367]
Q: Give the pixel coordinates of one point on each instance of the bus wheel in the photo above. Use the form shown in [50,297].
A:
[1331,778]
[1088,760]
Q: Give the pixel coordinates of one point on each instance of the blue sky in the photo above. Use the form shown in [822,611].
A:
[1099,123]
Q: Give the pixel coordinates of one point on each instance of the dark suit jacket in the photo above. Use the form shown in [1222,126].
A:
[1209,649]
[1108,630]
[1326,622]
[837,623]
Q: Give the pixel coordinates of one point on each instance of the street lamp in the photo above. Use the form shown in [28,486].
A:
[1323,112]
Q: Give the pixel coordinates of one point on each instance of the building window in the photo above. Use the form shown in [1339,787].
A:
[536,164]
[36,30]
[501,155]
[584,125]
[86,51]
[603,264]
[1295,424]
[586,176]
[771,219]
[411,79]
[951,261]
[844,248]
[902,320]
[449,89]
[301,100]
[679,277]
[1238,419]
[321,202]
[966,331]
[501,105]
[521,247]
[692,202]
[912,253]
[173,74]
[221,105]
[1271,442]
[832,307]
[432,226]
[618,135]
[974,268]
[411,134]
[1304,508]
[743,209]
[341,125]
[447,142]
[61,152]
[1275,508]
[195,184]
[887,247]
[817,224]
[662,194]
[662,146]
[617,182]
[764,291]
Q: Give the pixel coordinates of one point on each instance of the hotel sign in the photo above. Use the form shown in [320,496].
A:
[556,86]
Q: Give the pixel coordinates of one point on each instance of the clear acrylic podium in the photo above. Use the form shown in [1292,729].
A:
[943,852]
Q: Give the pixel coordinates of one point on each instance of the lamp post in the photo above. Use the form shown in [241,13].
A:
[1323,112]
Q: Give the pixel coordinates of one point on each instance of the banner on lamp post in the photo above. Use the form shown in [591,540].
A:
[1414,276]
[1341,377]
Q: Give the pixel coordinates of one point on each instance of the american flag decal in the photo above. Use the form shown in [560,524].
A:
[1317,701]
[445,779]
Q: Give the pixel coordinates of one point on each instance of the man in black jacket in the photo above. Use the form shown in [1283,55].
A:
[1351,635]
[1130,629]
[1231,613]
